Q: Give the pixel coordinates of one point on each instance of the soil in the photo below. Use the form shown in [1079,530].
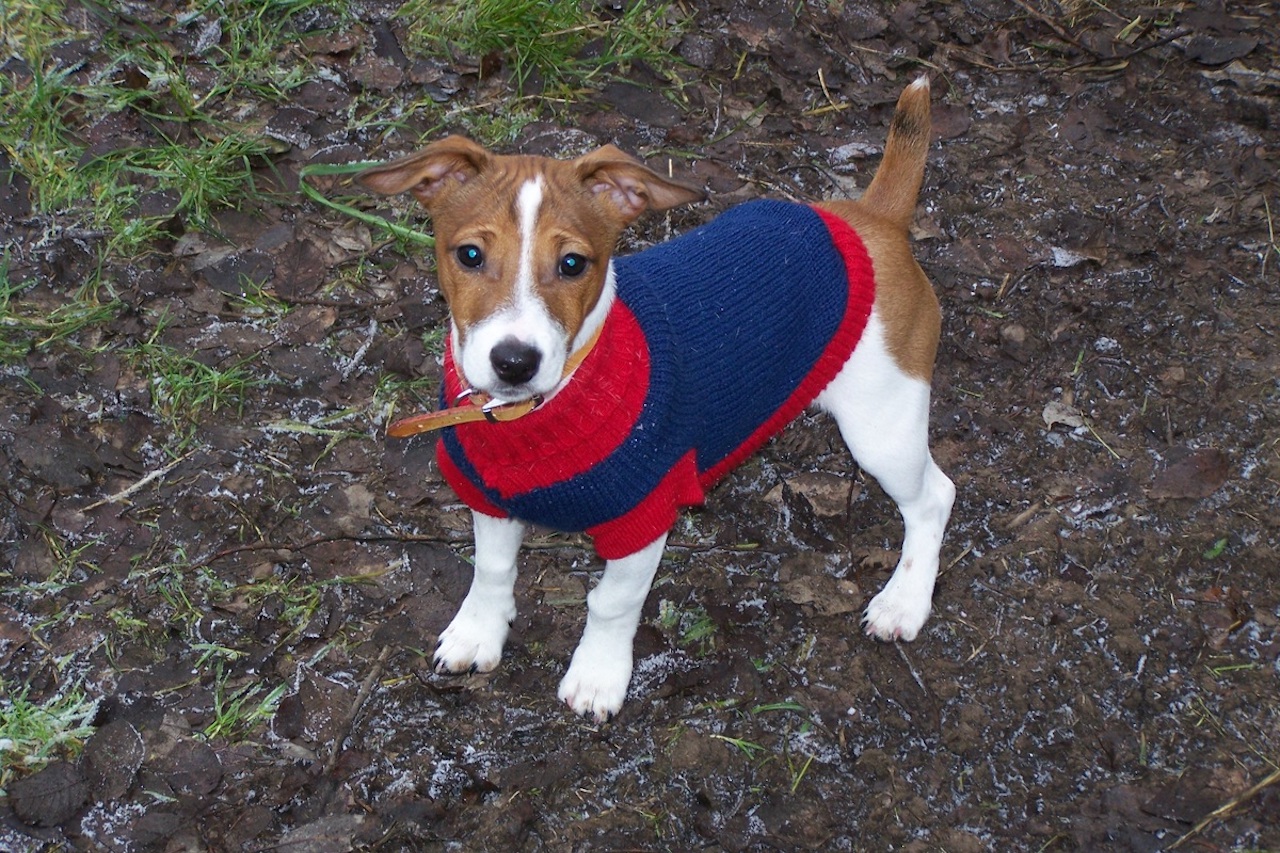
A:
[1101,668]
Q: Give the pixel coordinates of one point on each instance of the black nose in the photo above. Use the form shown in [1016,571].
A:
[514,362]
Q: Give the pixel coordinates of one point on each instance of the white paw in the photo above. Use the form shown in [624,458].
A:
[597,680]
[897,613]
[473,641]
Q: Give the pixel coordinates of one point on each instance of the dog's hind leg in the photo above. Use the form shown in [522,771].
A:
[883,415]
[473,641]
[600,671]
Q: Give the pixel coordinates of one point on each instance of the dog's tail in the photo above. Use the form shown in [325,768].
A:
[896,186]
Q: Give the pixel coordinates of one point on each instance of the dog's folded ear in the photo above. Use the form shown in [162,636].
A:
[630,187]
[441,165]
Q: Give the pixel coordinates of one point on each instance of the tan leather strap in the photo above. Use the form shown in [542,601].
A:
[478,407]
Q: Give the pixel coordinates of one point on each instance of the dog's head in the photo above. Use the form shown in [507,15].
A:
[523,248]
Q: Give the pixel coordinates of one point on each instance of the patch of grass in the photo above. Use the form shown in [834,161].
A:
[296,600]
[178,597]
[798,772]
[124,124]
[69,556]
[127,624]
[496,128]
[28,324]
[260,304]
[184,388]
[100,195]
[179,608]
[748,748]
[236,712]
[566,42]
[434,340]
[796,769]
[1215,550]
[778,706]
[692,627]
[33,734]
[27,25]
[69,566]
[252,54]
[204,175]
[186,104]
[323,426]
[1227,669]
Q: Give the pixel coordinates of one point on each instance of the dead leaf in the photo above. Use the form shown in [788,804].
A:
[1057,412]
[1249,79]
[826,494]
[308,324]
[51,796]
[112,758]
[354,237]
[951,121]
[818,593]
[1219,50]
[300,270]
[1193,474]
[332,834]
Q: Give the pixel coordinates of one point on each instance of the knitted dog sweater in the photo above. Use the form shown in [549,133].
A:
[716,341]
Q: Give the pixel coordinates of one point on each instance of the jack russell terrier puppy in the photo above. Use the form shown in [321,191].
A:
[588,393]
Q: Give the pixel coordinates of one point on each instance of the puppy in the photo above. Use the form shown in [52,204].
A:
[601,394]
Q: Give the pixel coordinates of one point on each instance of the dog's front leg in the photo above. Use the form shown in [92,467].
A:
[600,671]
[473,641]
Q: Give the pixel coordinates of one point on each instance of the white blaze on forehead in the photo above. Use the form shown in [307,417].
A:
[528,202]
[524,317]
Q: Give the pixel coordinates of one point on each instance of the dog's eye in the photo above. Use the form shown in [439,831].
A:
[470,256]
[572,265]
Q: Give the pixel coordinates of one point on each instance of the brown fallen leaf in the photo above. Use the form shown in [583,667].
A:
[1057,412]
[50,796]
[112,758]
[1191,474]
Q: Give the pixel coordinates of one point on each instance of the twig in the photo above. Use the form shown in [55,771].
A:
[1098,438]
[320,540]
[354,361]
[1271,236]
[1228,807]
[949,566]
[365,689]
[911,668]
[831,106]
[1123,58]
[149,478]
[1053,25]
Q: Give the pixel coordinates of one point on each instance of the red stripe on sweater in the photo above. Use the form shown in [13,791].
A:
[628,534]
[862,292]
[574,430]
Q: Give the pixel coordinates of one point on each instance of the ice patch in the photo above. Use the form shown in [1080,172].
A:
[653,670]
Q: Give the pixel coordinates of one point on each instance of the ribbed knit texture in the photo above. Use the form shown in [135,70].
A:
[718,339]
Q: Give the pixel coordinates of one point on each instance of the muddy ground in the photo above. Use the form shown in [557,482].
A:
[1100,672]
